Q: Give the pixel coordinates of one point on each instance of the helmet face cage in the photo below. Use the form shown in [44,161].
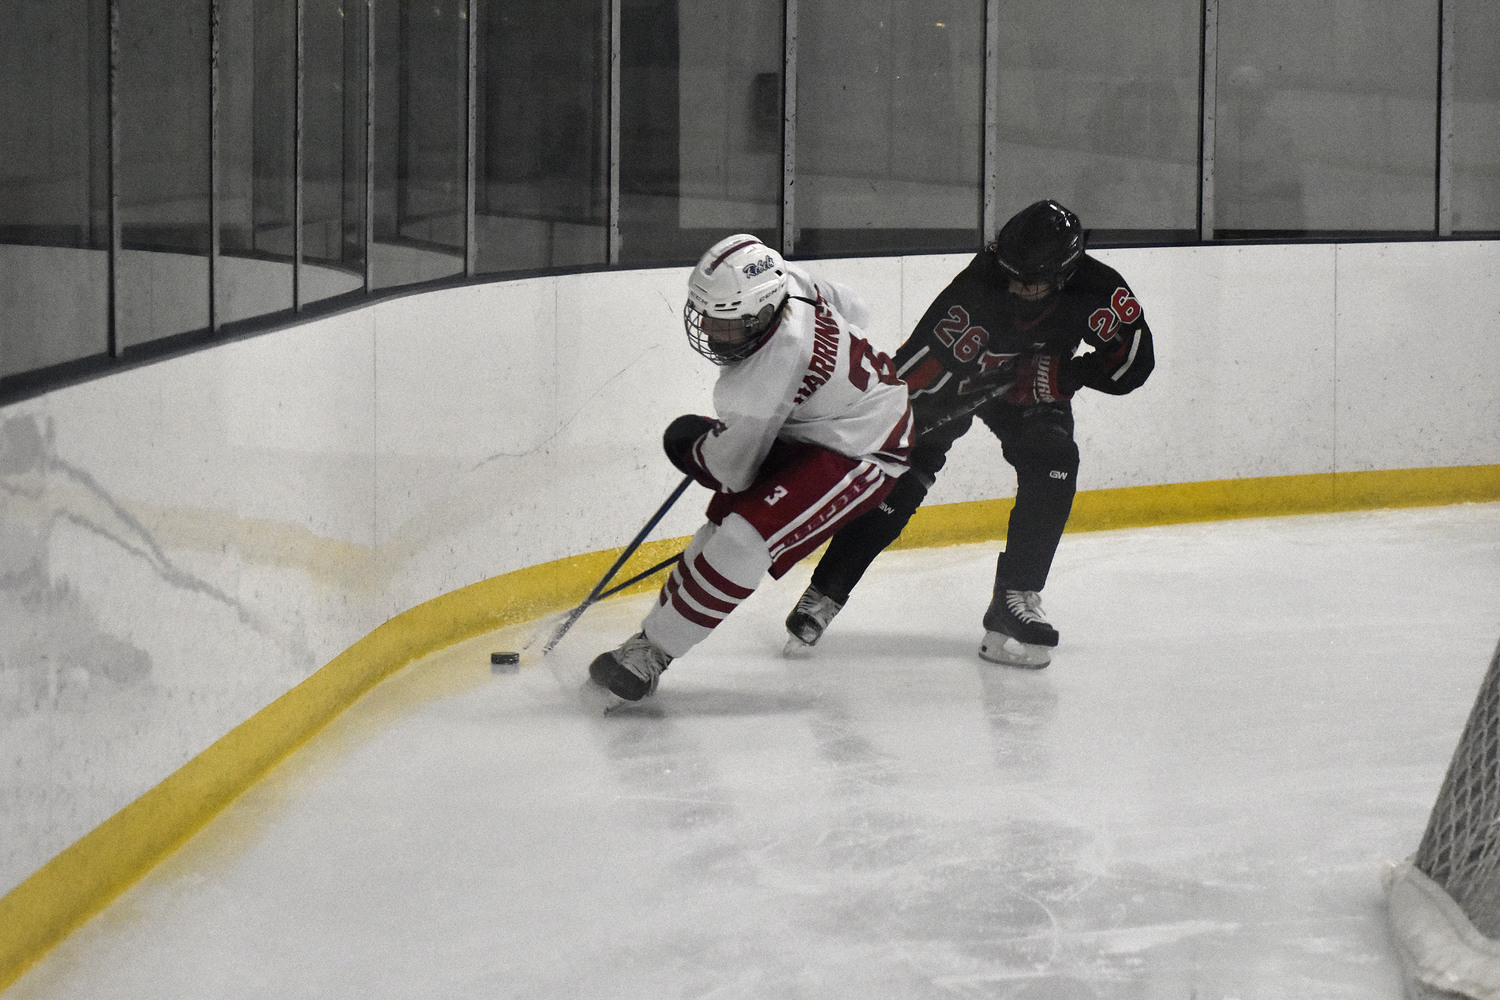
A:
[739,279]
[719,350]
[1042,243]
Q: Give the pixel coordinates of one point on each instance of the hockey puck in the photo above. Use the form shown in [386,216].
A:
[504,663]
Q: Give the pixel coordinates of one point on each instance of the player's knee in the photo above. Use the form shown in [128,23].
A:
[738,551]
[906,496]
[1046,452]
[882,524]
[1045,447]
[1050,466]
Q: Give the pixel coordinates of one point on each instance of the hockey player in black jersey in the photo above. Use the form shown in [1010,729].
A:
[1030,321]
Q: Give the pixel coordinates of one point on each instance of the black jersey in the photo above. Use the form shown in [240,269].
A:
[974,333]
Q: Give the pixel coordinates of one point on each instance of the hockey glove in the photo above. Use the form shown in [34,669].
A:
[681,437]
[1037,381]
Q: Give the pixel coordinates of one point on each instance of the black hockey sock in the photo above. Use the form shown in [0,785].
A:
[855,546]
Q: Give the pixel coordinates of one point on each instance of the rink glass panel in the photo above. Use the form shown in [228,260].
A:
[255,179]
[700,125]
[542,140]
[421,141]
[334,161]
[1326,118]
[164,174]
[1102,113]
[890,114]
[54,196]
[1476,116]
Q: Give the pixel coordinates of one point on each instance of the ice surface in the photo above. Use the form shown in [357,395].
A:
[1243,723]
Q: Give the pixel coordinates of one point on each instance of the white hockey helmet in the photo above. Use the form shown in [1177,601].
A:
[734,296]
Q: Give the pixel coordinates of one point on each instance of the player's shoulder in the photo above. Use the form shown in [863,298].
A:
[1095,279]
[754,383]
[978,280]
[799,280]
[1094,273]
[980,270]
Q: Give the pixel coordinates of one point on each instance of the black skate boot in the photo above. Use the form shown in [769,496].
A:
[809,618]
[630,672]
[1016,633]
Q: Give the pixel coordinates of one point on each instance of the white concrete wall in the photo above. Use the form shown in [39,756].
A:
[181,543]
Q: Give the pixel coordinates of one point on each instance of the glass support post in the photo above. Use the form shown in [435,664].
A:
[789,132]
[1209,91]
[1447,45]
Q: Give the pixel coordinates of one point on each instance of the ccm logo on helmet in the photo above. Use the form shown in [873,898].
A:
[758,267]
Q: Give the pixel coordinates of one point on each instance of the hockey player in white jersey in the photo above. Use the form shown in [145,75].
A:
[812,426]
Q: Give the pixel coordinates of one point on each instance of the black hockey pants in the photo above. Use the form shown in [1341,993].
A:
[1036,440]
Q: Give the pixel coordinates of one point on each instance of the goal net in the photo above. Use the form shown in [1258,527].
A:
[1445,900]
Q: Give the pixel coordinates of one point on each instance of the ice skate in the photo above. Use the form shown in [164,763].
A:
[808,619]
[1016,634]
[630,672]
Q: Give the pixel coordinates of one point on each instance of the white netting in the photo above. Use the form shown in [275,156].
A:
[1445,901]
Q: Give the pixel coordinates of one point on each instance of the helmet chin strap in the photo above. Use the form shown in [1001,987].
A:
[771,327]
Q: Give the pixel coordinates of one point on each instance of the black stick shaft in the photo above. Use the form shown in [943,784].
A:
[635,543]
[640,576]
[969,408]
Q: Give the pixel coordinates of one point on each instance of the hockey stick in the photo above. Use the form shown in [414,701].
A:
[598,593]
[985,397]
[612,591]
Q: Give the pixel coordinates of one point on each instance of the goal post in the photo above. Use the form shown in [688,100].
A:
[1444,901]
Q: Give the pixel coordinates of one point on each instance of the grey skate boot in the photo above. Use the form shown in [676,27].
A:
[630,672]
[1016,633]
[809,618]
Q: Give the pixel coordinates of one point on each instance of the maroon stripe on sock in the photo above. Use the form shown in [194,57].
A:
[719,581]
[700,594]
[692,614]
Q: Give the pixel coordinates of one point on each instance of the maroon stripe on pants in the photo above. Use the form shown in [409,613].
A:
[799,501]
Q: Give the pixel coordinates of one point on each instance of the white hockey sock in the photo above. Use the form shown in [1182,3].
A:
[723,566]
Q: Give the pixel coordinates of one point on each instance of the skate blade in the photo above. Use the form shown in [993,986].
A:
[1002,649]
[599,700]
[795,648]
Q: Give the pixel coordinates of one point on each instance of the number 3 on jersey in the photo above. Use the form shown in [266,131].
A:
[864,361]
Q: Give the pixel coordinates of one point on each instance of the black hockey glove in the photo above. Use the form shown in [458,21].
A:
[678,441]
[1039,379]
[1075,372]
[1117,369]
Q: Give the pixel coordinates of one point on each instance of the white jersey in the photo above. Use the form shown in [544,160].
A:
[815,380]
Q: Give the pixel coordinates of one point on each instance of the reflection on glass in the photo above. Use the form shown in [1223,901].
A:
[54,155]
[890,109]
[257,158]
[700,125]
[543,143]
[333,150]
[1326,118]
[421,141]
[161,275]
[1258,184]
[1102,116]
[1476,116]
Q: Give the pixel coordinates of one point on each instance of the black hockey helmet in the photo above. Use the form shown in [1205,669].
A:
[1043,242]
